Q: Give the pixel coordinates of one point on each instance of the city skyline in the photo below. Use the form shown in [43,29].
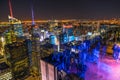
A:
[59,40]
[46,9]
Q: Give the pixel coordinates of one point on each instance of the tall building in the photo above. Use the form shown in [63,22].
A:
[18,59]
[68,36]
[36,36]
[36,39]
[68,29]
[15,30]
[18,29]
[16,26]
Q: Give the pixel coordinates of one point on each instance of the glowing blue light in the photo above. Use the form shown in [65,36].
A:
[71,38]
[53,39]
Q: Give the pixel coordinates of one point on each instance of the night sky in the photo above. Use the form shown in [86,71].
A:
[61,9]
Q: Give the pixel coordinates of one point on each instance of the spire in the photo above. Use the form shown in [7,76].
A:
[10,6]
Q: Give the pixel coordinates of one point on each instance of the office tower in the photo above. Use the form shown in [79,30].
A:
[68,29]
[36,39]
[16,25]
[35,48]
[18,59]
[15,30]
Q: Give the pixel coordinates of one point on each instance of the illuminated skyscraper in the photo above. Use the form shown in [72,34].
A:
[18,59]
[15,30]
[10,36]
[18,29]
[35,48]
[36,39]
[68,33]
[16,26]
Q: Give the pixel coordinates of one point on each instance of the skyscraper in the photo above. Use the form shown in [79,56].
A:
[18,59]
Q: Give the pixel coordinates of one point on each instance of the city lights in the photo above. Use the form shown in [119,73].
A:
[59,40]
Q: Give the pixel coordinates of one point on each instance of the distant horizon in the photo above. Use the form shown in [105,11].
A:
[62,19]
